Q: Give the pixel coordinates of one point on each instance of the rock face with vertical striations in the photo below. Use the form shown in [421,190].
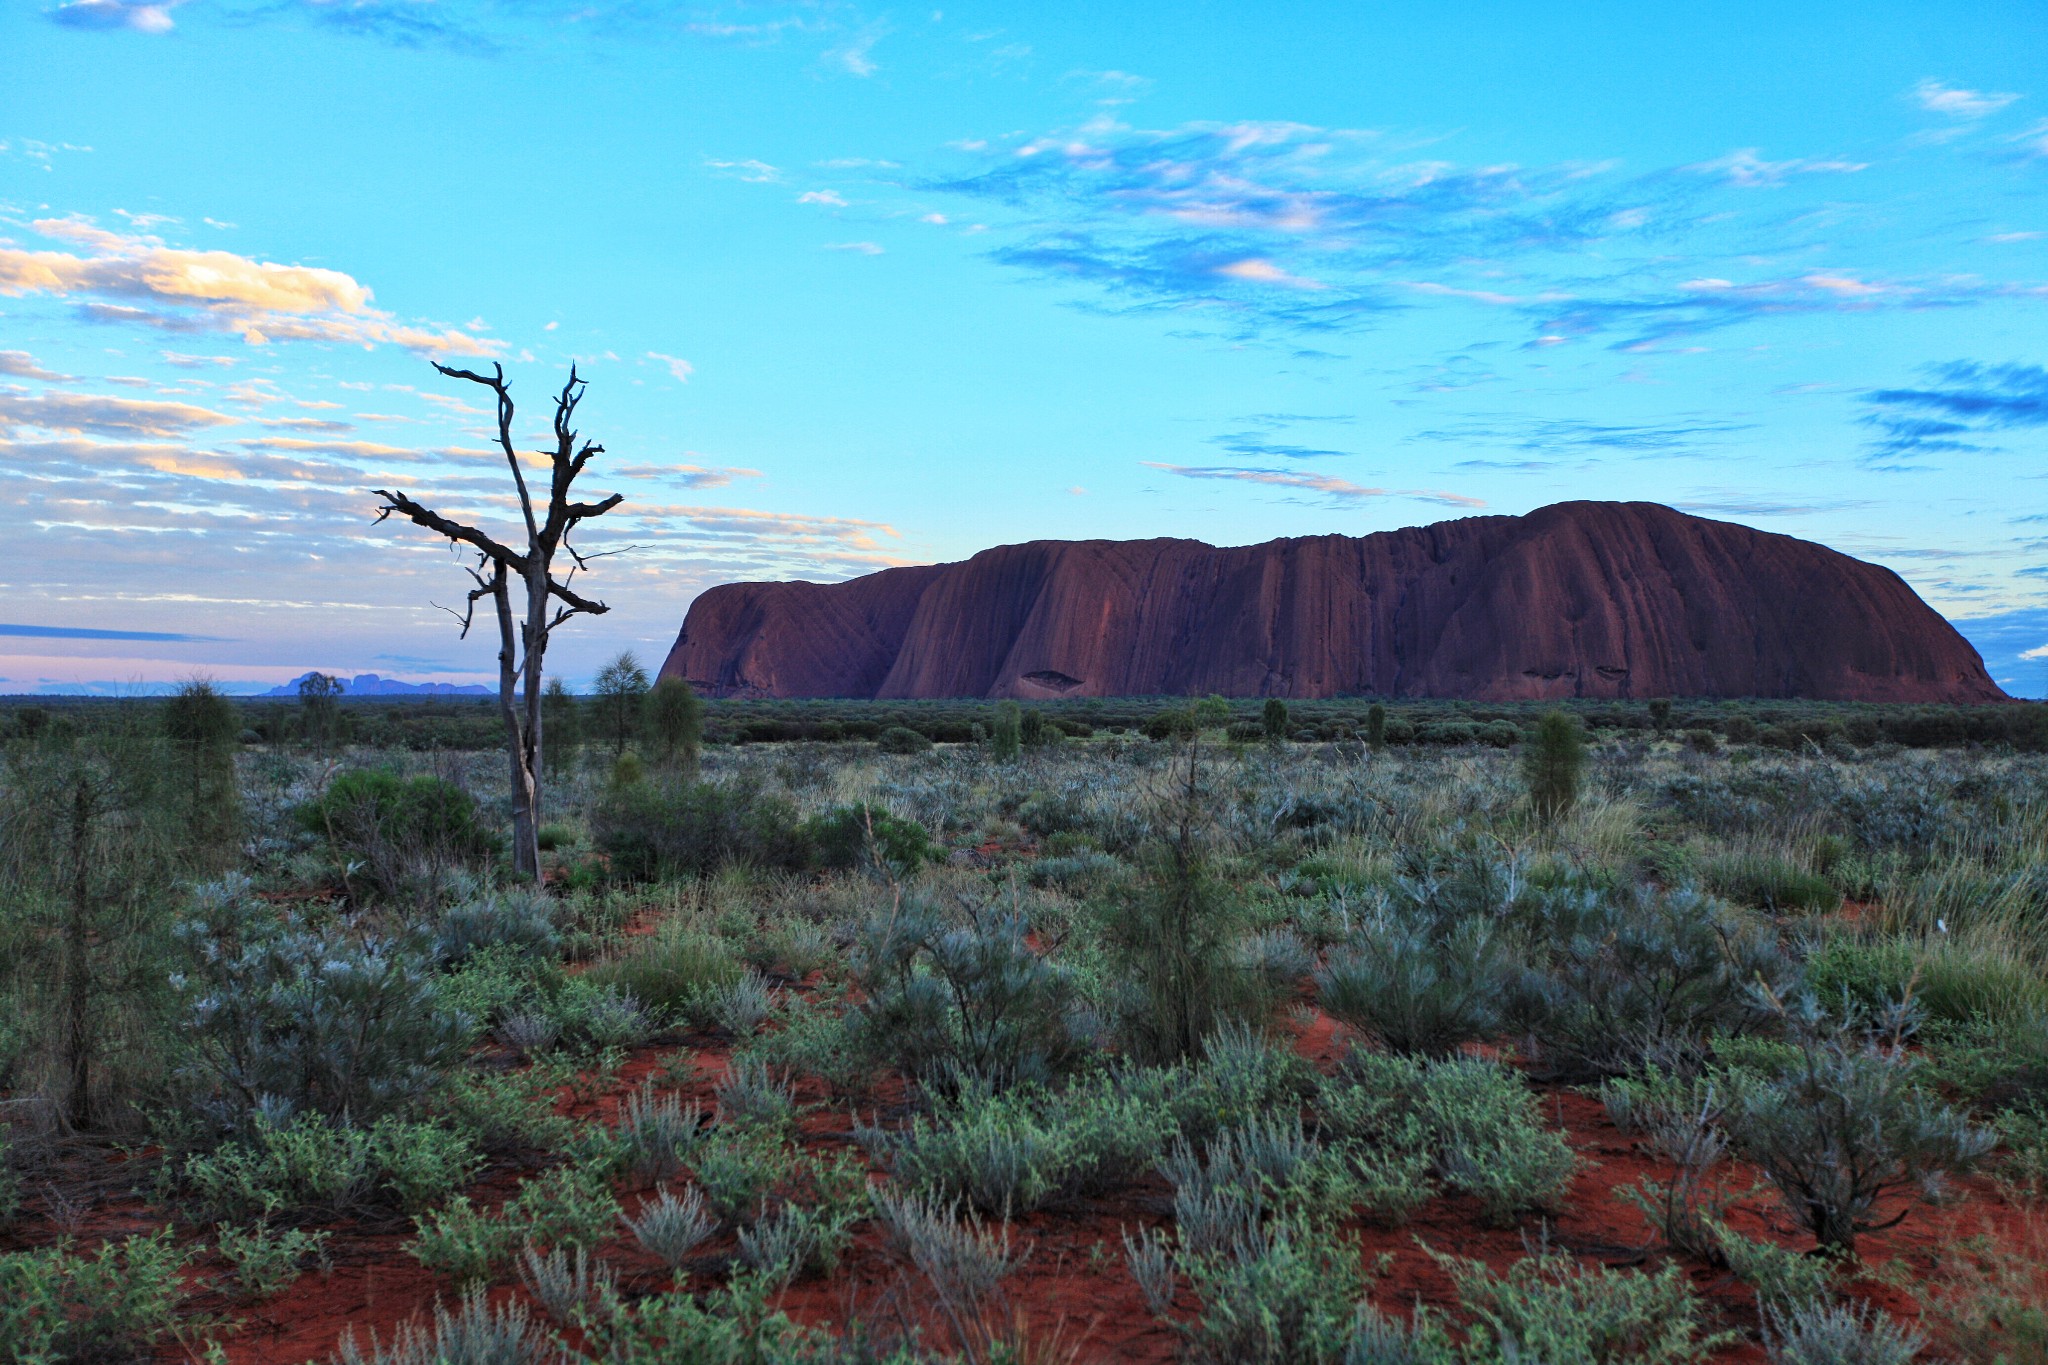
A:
[1579,599]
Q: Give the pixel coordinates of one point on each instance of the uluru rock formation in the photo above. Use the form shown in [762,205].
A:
[1579,599]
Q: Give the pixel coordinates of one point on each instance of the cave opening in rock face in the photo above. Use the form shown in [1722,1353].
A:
[1579,599]
[1053,680]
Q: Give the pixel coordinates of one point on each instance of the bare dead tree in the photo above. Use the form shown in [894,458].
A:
[547,601]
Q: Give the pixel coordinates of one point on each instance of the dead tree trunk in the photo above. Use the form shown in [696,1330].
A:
[547,602]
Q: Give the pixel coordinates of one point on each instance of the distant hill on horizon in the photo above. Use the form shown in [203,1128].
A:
[1578,599]
[371,685]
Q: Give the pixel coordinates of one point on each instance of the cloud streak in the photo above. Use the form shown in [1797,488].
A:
[1326,485]
[129,278]
[1270,229]
[1964,401]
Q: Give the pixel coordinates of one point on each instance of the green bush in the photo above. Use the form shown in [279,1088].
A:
[901,739]
[654,830]
[999,1153]
[1640,977]
[1419,988]
[312,1167]
[1846,1128]
[955,998]
[58,1304]
[1770,884]
[1478,1122]
[265,1260]
[1287,1293]
[397,830]
[283,1018]
[867,836]
[1553,763]
[677,969]
[1549,1307]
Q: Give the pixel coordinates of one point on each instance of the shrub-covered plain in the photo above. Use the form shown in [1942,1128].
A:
[1317,1032]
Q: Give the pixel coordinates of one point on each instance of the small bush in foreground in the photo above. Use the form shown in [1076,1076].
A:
[1845,1130]
[1839,1335]
[57,1304]
[474,1334]
[1551,1308]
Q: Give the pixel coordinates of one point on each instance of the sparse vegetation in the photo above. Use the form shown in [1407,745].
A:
[1211,1021]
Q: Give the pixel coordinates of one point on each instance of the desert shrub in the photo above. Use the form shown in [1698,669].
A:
[742,1006]
[572,1289]
[1553,764]
[808,1234]
[2023,1133]
[500,1112]
[475,1333]
[59,1304]
[814,1038]
[868,837]
[751,1092]
[1986,1300]
[1838,1334]
[677,969]
[671,1227]
[738,1166]
[1477,1121]
[310,1167]
[1116,1129]
[264,1260]
[1769,884]
[404,835]
[901,739]
[962,997]
[592,1016]
[567,1206]
[202,728]
[1241,1075]
[90,857]
[1639,977]
[1974,991]
[1549,1307]
[674,722]
[1286,1293]
[10,1182]
[657,1132]
[523,920]
[653,830]
[998,1152]
[1006,734]
[282,1017]
[1172,939]
[1419,987]
[1845,1128]
[963,1261]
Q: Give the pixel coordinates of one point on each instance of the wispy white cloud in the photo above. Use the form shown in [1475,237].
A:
[856,58]
[1957,102]
[1324,484]
[1747,168]
[22,365]
[97,413]
[116,14]
[858,248]
[677,366]
[829,198]
[687,475]
[751,171]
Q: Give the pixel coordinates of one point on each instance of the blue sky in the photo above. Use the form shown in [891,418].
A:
[858,285]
